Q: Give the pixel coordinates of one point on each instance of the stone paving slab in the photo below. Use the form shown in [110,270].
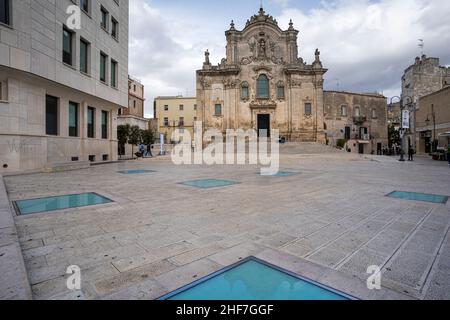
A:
[14,284]
[332,218]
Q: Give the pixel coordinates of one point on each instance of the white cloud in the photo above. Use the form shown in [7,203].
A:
[365,44]
[165,51]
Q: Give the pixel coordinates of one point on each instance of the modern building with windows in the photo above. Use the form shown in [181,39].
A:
[61,86]
[175,112]
[263,84]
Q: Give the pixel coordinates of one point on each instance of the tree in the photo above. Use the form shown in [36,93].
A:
[135,137]
[123,134]
[148,137]
[394,136]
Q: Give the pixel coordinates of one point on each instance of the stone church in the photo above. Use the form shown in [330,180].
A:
[263,84]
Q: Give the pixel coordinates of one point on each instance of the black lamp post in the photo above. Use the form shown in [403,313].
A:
[433,115]
[408,106]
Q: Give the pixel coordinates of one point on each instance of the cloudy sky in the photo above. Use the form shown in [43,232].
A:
[365,44]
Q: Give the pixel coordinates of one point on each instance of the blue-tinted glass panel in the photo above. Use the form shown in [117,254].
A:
[209,183]
[253,280]
[433,198]
[60,203]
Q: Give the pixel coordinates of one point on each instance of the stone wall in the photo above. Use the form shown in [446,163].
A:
[372,116]
[435,105]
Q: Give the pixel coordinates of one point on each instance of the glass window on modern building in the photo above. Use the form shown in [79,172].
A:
[73,119]
[3,91]
[5,12]
[218,110]
[113,74]
[91,122]
[51,115]
[308,109]
[67,46]
[262,87]
[114,29]
[104,18]
[84,56]
[105,124]
[103,66]
[84,5]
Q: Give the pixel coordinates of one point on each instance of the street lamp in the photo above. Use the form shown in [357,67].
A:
[410,107]
[433,115]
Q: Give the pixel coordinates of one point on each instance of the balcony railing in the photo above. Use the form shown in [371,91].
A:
[359,119]
[365,137]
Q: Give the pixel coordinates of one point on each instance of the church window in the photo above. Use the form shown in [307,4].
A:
[308,109]
[218,110]
[244,91]
[262,87]
[280,91]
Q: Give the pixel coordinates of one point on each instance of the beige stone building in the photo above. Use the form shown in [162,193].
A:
[263,83]
[61,87]
[134,113]
[175,112]
[433,121]
[422,78]
[358,119]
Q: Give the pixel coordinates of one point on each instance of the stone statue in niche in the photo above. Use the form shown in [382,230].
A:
[262,49]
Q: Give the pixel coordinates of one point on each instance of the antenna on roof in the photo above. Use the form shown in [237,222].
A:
[421,45]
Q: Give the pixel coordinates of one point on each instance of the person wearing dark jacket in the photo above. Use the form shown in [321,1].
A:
[410,154]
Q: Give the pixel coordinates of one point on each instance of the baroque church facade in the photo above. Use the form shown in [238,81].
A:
[263,84]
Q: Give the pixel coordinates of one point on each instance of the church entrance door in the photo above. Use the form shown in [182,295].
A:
[263,124]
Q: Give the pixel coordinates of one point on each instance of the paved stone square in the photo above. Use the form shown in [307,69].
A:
[329,222]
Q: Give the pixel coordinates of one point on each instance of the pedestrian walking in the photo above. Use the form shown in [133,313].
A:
[411,153]
[142,149]
[148,153]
